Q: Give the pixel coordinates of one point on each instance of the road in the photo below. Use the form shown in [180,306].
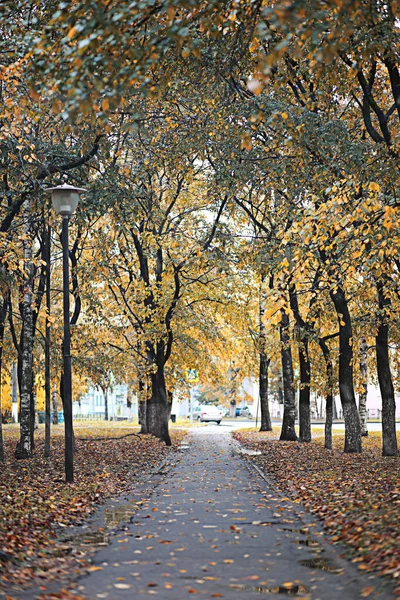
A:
[251,423]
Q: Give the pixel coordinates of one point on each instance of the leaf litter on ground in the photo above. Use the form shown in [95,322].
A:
[36,505]
[357,496]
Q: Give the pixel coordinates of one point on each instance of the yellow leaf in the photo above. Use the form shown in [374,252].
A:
[71,33]
[246,143]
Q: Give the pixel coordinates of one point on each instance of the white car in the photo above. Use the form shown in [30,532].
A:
[206,413]
[246,412]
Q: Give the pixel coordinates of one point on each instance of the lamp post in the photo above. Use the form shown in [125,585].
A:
[65,200]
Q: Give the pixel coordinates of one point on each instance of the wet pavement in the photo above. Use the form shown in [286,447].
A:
[214,528]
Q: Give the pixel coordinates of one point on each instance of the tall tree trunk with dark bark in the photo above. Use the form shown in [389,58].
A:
[305,369]
[106,404]
[55,407]
[266,424]
[3,316]
[33,411]
[352,441]
[170,397]
[157,412]
[389,440]
[329,399]
[288,432]
[47,344]
[304,395]
[142,406]
[362,398]
[1,417]
[24,446]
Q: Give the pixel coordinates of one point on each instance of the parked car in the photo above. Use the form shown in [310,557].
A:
[224,410]
[206,413]
[238,411]
[246,412]
[196,413]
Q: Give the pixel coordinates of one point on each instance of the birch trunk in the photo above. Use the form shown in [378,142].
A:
[362,399]
[24,446]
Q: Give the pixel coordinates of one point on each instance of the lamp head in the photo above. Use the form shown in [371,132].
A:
[65,198]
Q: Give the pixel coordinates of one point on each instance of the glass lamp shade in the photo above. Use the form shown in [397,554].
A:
[65,199]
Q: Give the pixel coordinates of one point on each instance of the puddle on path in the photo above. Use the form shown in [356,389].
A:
[120,514]
[307,542]
[91,538]
[303,531]
[294,590]
[322,564]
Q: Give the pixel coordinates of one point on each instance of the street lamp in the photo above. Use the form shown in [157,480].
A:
[65,200]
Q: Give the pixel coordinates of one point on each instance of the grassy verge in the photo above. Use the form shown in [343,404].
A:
[356,496]
[36,504]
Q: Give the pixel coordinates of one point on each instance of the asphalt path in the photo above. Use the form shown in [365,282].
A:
[214,528]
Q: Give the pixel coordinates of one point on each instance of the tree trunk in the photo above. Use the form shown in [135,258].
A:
[1,419]
[170,396]
[362,399]
[389,440]
[47,346]
[334,411]
[288,432]
[305,369]
[33,406]
[14,390]
[106,404]
[266,424]
[352,441]
[304,398]
[329,401]
[24,446]
[3,316]
[142,406]
[55,407]
[157,412]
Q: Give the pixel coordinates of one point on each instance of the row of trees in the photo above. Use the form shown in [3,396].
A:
[242,203]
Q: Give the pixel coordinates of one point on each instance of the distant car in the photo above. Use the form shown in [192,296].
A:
[224,410]
[196,413]
[238,411]
[206,413]
[246,412]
